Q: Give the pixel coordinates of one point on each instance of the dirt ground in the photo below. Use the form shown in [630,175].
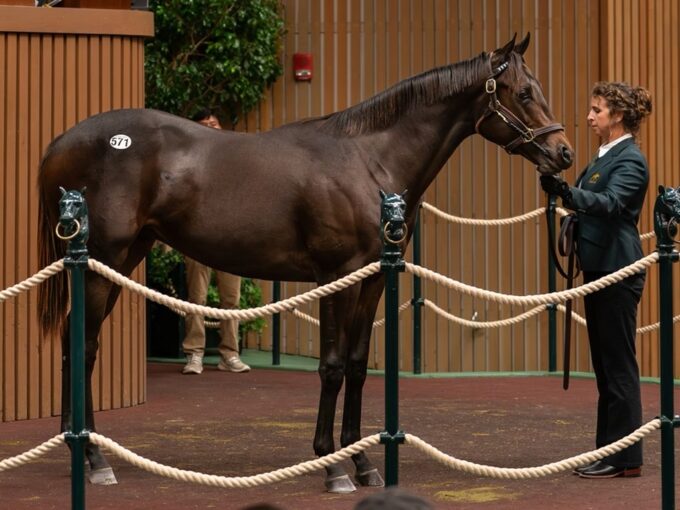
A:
[245,424]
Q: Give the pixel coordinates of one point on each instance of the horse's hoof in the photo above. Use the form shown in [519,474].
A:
[103,476]
[340,485]
[370,478]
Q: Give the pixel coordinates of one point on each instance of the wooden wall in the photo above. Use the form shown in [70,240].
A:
[641,47]
[360,47]
[60,66]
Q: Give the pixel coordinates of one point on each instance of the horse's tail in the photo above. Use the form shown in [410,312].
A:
[53,293]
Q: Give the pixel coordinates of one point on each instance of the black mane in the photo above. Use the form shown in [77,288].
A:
[383,109]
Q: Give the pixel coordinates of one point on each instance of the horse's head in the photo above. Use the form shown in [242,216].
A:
[667,213]
[73,218]
[515,114]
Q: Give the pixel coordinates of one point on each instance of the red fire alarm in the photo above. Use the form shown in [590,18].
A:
[302,66]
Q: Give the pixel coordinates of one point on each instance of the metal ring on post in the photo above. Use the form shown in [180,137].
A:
[66,238]
[387,237]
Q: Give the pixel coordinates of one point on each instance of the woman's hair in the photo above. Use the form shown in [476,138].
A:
[635,103]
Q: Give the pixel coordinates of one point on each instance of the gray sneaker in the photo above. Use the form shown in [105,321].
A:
[233,364]
[194,364]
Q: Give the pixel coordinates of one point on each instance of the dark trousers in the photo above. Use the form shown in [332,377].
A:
[611,315]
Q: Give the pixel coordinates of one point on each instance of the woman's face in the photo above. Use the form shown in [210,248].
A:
[607,126]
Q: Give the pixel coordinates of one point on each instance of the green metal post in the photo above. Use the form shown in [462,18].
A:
[552,308]
[666,258]
[392,263]
[75,261]
[665,229]
[276,326]
[417,301]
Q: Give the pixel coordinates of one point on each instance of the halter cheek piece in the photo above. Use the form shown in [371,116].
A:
[525,133]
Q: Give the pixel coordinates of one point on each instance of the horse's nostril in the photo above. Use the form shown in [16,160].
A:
[566,154]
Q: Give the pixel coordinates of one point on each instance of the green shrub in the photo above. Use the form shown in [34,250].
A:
[216,53]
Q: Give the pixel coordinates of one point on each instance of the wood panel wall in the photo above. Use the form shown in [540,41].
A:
[361,47]
[641,42]
[59,67]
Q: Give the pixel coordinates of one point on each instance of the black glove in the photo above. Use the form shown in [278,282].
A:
[555,186]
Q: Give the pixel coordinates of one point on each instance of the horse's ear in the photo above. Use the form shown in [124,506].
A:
[501,55]
[522,46]
[382,194]
[661,189]
[63,191]
[83,190]
[403,195]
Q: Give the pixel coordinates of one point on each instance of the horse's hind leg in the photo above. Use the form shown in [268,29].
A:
[366,473]
[101,296]
[97,291]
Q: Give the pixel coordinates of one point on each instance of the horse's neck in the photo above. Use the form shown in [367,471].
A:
[416,148]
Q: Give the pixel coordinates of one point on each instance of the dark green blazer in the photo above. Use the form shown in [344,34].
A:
[608,198]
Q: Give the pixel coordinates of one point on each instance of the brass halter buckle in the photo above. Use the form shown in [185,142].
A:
[491,86]
[528,135]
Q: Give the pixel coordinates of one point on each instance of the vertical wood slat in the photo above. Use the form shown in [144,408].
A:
[51,81]
[10,380]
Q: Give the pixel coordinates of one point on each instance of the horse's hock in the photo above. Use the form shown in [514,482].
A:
[65,65]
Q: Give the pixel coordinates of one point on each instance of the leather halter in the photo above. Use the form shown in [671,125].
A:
[525,133]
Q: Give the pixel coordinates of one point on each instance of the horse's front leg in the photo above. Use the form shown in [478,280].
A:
[366,473]
[331,373]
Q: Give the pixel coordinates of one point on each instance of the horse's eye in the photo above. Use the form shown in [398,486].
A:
[525,95]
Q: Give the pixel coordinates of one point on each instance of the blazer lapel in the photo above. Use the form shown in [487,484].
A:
[598,165]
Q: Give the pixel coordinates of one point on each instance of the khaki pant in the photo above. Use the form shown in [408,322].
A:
[229,286]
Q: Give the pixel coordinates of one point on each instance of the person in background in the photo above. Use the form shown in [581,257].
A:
[229,286]
[608,198]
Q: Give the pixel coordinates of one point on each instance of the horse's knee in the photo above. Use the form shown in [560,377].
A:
[331,375]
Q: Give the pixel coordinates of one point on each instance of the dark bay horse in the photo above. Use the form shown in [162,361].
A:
[298,203]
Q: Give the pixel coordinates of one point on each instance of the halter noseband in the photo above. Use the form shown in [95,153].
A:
[525,133]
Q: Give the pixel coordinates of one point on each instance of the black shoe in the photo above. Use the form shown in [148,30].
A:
[581,469]
[602,470]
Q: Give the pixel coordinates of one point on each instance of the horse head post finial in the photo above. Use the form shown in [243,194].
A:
[73,225]
[393,228]
[666,216]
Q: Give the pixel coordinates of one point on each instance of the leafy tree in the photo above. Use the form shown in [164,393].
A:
[217,53]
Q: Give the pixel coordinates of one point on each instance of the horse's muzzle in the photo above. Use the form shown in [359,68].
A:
[566,154]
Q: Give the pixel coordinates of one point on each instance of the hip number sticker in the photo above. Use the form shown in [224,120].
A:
[120,142]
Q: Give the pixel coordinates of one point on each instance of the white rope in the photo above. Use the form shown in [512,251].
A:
[503,221]
[652,327]
[179,306]
[536,299]
[333,458]
[234,481]
[484,325]
[402,307]
[533,472]
[471,221]
[524,316]
[31,455]
[313,320]
[249,314]
[34,280]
